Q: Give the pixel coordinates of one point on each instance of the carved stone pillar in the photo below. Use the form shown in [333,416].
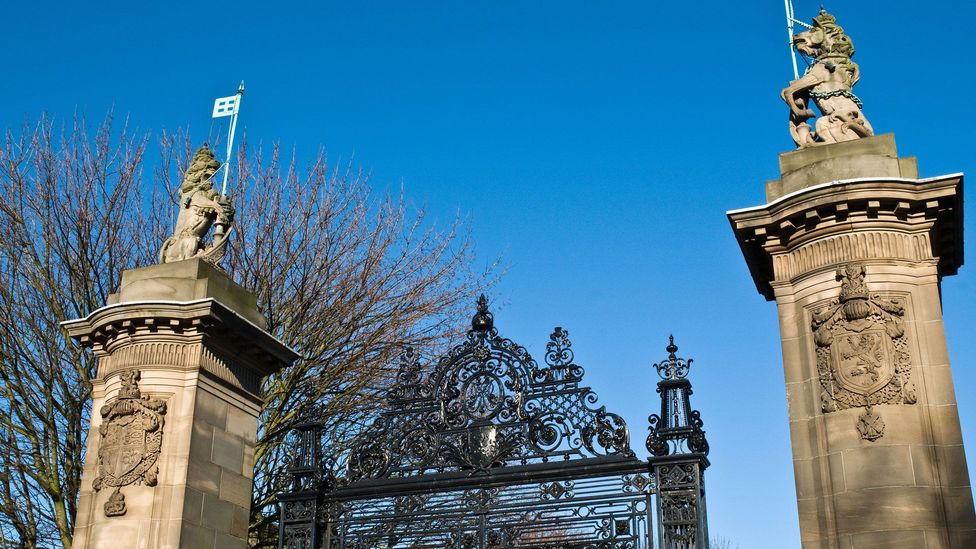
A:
[853,247]
[181,354]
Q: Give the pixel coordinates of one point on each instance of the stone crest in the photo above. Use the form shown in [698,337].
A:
[862,352]
[131,436]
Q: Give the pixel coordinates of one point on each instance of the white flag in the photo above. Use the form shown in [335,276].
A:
[226,106]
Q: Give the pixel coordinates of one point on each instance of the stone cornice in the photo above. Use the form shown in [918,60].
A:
[202,334]
[915,220]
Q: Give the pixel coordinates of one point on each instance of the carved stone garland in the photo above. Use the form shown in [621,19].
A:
[131,435]
[863,357]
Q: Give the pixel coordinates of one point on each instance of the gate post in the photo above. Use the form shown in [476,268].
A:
[182,351]
[300,524]
[677,443]
[853,247]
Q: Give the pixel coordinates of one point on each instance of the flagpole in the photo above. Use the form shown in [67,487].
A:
[789,30]
[230,139]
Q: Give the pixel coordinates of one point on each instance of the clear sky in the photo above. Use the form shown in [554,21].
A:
[597,145]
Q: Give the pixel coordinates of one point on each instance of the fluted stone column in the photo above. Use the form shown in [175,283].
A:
[853,246]
[181,354]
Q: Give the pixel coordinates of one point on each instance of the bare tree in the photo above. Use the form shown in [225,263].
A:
[346,277]
[68,207]
[722,543]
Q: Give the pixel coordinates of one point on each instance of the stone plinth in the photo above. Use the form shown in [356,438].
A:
[870,157]
[855,267]
[200,348]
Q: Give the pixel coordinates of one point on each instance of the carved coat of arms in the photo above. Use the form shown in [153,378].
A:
[131,436]
[862,352]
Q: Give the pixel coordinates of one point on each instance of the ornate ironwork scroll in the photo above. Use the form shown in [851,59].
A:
[863,357]
[131,436]
[484,405]
[483,448]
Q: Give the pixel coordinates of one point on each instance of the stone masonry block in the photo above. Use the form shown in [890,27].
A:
[938,384]
[962,538]
[911,508]
[249,461]
[201,441]
[835,462]
[211,410]
[946,429]
[217,514]
[196,537]
[810,478]
[952,466]
[814,514]
[228,451]
[242,424]
[934,333]
[801,397]
[959,508]
[878,466]
[887,539]
[923,463]
[225,541]
[938,539]
[204,477]
[235,488]
[805,437]
[239,522]
[192,505]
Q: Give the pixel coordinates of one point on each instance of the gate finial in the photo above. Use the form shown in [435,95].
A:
[483,321]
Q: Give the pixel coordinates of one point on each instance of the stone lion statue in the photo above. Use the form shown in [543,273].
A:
[828,82]
[201,207]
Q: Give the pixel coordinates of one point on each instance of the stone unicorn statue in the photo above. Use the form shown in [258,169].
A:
[828,82]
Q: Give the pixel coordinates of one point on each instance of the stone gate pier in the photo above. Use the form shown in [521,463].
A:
[181,354]
[853,246]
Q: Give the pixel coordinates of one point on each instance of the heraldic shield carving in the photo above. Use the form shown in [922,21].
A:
[131,436]
[862,352]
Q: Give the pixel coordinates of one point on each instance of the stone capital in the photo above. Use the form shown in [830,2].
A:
[866,219]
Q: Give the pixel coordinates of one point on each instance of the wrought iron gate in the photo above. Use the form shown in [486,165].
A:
[489,449]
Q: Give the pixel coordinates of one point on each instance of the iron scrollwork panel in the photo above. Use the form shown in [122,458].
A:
[485,404]
[524,455]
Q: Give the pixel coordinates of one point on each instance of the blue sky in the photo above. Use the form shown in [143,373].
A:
[596,145]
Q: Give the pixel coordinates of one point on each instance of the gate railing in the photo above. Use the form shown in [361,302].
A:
[486,448]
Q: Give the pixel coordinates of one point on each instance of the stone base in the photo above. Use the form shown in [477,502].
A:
[873,157]
[188,280]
